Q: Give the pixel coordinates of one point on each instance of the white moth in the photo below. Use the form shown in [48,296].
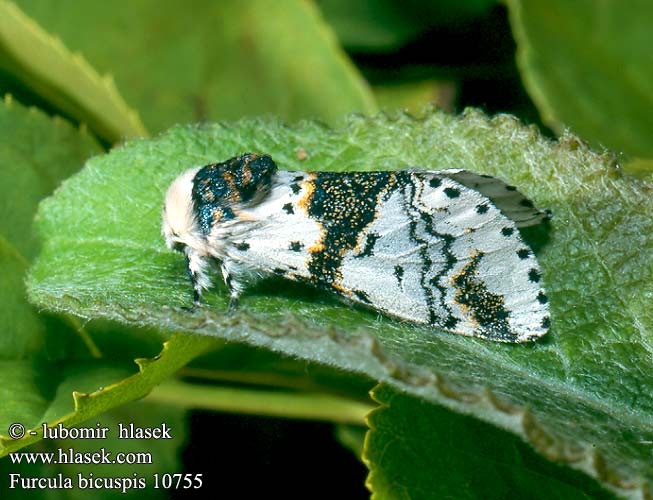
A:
[439,248]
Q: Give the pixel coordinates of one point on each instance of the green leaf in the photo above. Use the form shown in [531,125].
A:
[588,66]
[213,60]
[86,382]
[43,360]
[64,79]
[577,395]
[420,451]
[35,153]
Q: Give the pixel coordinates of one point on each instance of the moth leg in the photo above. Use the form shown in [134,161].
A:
[199,278]
[234,285]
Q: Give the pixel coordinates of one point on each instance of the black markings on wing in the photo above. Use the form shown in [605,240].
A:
[368,249]
[288,208]
[427,284]
[421,236]
[445,228]
[344,204]
[450,321]
[505,197]
[486,309]
[362,296]
[296,246]
[451,282]
[399,274]
[534,275]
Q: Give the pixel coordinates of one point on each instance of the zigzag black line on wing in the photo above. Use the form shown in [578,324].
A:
[450,322]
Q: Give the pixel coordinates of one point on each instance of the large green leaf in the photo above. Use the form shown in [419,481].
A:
[43,360]
[63,79]
[35,153]
[588,66]
[213,60]
[578,395]
[416,450]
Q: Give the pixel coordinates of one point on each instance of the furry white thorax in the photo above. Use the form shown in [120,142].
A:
[181,231]
[267,229]
[179,222]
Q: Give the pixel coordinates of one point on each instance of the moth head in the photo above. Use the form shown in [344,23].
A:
[179,227]
[204,200]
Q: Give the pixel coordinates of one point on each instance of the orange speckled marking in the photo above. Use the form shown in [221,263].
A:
[309,185]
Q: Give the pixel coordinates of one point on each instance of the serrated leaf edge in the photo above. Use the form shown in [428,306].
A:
[190,346]
[126,123]
[519,421]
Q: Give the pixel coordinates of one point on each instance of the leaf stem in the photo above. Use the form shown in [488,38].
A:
[309,406]
[262,378]
[83,335]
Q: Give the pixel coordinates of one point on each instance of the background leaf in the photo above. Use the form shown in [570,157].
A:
[574,395]
[44,359]
[420,451]
[36,152]
[213,60]
[96,387]
[63,79]
[587,66]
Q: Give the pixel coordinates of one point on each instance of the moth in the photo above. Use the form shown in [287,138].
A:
[438,248]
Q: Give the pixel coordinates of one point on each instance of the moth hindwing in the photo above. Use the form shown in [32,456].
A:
[439,248]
